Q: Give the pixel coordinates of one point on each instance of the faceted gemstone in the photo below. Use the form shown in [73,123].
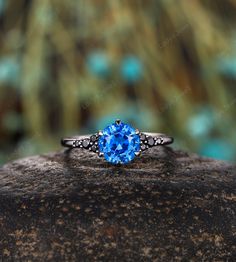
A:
[119,143]
[143,147]
[93,148]
[142,137]
[93,138]
[151,141]
[85,143]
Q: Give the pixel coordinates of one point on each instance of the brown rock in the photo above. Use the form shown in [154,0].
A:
[165,206]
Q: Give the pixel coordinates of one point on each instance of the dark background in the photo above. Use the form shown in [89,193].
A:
[69,67]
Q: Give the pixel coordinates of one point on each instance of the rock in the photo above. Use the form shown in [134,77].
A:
[72,206]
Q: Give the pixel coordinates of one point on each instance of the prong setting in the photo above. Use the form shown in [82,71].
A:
[118,121]
[100,133]
[138,153]
[100,154]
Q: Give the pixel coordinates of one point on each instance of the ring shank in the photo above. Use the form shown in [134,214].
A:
[69,141]
[166,139]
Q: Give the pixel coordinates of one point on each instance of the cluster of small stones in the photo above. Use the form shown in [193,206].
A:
[92,142]
[88,143]
[149,141]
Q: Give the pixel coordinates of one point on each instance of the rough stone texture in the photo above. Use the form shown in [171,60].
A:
[165,206]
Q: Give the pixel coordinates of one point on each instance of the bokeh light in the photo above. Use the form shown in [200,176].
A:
[69,67]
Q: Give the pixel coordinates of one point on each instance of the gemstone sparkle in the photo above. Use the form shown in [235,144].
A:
[119,142]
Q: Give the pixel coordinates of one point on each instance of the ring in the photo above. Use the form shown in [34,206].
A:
[118,143]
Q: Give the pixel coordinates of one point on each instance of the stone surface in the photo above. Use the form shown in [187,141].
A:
[164,206]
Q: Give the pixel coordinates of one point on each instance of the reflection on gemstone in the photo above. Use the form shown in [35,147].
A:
[119,143]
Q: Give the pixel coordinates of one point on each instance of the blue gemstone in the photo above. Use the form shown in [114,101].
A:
[119,143]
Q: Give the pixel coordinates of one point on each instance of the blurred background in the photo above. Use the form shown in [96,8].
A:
[69,67]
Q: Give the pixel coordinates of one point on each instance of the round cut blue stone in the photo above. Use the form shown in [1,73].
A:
[119,143]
